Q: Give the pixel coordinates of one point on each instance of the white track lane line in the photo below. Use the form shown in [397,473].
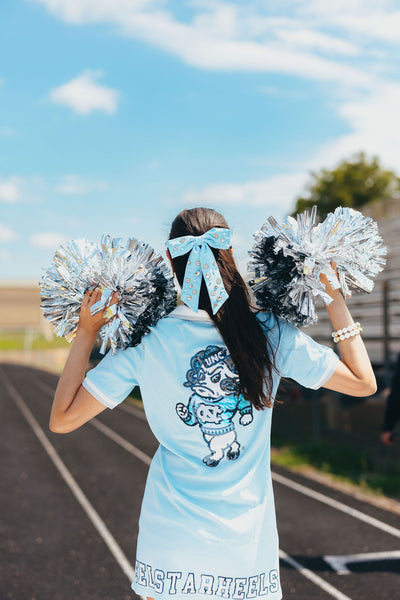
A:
[339,562]
[353,512]
[316,579]
[129,408]
[107,431]
[121,441]
[133,410]
[327,587]
[98,523]
[298,487]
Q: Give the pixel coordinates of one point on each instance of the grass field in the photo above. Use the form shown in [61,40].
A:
[22,326]
[373,472]
[21,340]
[374,469]
[344,463]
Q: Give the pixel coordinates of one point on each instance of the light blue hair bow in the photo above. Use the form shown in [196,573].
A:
[201,261]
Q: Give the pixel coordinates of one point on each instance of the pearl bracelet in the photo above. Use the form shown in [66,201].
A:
[346,332]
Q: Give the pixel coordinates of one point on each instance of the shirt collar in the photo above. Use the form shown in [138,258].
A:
[184,312]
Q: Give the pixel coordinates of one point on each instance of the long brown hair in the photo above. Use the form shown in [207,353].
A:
[241,331]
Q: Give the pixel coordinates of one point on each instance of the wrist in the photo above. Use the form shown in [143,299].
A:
[336,294]
[84,333]
[346,332]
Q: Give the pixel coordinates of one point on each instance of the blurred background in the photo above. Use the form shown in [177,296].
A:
[115,115]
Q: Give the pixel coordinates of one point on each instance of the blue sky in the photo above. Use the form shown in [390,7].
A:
[115,115]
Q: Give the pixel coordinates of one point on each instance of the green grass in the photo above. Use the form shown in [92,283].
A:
[136,396]
[375,472]
[342,463]
[17,340]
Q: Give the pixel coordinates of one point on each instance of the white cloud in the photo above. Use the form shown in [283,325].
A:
[222,36]
[47,239]
[278,191]
[377,20]
[344,42]
[83,95]
[374,127]
[22,188]
[306,38]
[94,11]
[6,234]
[9,190]
[76,185]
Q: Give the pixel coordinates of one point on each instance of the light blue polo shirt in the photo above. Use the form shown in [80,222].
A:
[207,526]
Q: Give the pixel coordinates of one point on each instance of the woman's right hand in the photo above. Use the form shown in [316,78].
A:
[93,323]
[354,374]
[325,281]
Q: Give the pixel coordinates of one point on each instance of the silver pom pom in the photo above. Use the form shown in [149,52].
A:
[131,268]
[288,259]
[354,242]
[76,267]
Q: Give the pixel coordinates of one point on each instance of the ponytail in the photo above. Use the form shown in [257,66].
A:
[240,329]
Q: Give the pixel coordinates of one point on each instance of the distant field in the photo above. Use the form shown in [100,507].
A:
[20,307]
[20,340]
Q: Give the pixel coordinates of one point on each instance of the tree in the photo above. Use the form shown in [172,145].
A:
[354,183]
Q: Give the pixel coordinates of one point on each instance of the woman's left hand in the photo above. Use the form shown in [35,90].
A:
[73,405]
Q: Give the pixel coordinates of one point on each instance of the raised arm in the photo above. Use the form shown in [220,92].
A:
[354,374]
[73,405]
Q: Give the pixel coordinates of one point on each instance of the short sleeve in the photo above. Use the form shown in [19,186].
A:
[115,376]
[298,356]
[303,359]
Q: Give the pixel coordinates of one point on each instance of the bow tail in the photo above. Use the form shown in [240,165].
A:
[212,277]
[203,263]
[192,281]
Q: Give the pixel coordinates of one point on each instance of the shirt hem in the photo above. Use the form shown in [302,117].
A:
[98,394]
[150,592]
[327,374]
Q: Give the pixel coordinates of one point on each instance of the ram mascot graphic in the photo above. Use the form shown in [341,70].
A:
[214,402]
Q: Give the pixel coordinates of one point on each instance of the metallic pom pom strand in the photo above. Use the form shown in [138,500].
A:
[76,268]
[131,268]
[145,286]
[355,246]
[272,275]
[289,288]
[345,237]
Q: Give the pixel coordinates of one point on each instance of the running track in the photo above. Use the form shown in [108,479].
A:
[70,504]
